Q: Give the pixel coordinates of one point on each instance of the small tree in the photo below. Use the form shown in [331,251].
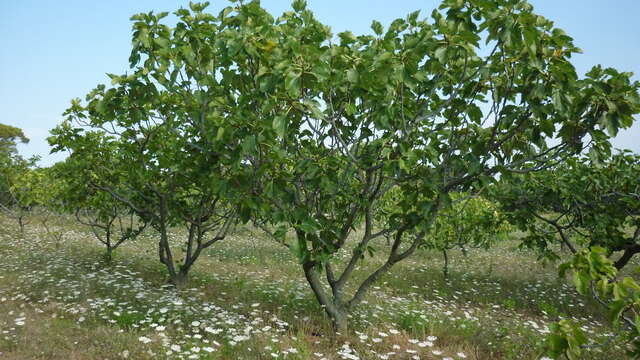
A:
[469,223]
[111,222]
[593,272]
[404,110]
[15,177]
[592,208]
[143,181]
[579,204]
[21,182]
[9,136]
[175,138]
[48,192]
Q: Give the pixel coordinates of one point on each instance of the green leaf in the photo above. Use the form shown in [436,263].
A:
[530,39]
[292,83]
[547,127]
[347,37]
[299,5]
[581,282]
[413,17]
[219,133]
[377,28]
[280,125]
[612,124]
[352,76]
[162,42]
[615,310]
[556,98]
[475,114]
[299,250]
[249,144]
[350,109]
[420,76]
[280,233]
[384,57]
[226,11]
[441,54]
[309,226]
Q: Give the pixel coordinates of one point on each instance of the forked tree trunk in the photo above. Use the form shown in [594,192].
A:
[166,257]
[178,276]
[179,279]
[332,305]
[340,322]
[334,302]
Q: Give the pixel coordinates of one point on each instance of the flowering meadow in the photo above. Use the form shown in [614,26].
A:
[246,300]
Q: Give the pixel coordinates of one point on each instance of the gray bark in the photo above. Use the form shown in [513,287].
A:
[445,267]
[333,306]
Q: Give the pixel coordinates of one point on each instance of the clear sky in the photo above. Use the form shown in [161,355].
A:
[52,51]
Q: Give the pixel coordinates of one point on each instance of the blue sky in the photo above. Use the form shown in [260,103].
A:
[53,51]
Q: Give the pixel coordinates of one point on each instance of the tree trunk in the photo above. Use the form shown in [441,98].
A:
[165,254]
[179,279]
[21,224]
[108,256]
[445,267]
[340,321]
[338,312]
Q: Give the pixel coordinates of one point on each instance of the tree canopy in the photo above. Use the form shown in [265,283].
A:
[244,116]
[578,204]
[8,137]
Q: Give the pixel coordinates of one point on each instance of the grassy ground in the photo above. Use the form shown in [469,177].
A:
[247,299]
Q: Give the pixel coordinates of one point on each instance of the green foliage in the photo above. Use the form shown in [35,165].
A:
[111,221]
[8,137]
[587,265]
[11,133]
[26,189]
[566,339]
[593,272]
[402,112]
[23,186]
[469,223]
[591,206]
[580,203]
[245,116]
[509,304]
[549,309]
[414,324]
[170,141]
[11,163]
